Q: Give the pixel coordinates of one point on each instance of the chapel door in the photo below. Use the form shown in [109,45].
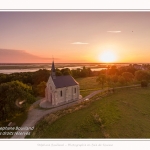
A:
[51,98]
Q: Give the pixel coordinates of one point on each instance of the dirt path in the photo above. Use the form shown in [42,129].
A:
[35,114]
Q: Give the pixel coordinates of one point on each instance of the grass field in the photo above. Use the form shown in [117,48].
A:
[123,114]
[88,85]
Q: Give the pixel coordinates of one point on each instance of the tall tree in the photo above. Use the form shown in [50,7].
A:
[66,71]
[101,80]
[112,80]
[41,88]
[128,76]
[41,75]
[142,75]
[121,80]
[12,94]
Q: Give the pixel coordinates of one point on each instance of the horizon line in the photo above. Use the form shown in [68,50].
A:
[82,63]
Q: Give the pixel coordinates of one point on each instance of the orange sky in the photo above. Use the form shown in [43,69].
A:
[74,36]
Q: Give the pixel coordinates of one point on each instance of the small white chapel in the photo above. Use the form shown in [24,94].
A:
[60,89]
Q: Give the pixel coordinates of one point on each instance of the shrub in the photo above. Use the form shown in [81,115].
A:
[144,83]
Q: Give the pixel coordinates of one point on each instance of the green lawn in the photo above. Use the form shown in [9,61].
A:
[123,114]
[88,83]
[85,92]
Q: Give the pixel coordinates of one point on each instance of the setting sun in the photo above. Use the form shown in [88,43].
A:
[107,57]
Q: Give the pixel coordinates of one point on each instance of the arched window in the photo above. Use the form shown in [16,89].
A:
[50,87]
[61,93]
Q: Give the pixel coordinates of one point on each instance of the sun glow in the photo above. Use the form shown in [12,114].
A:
[107,57]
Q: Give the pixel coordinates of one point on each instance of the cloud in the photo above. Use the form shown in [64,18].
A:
[114,31]
[79,43]
[21,56]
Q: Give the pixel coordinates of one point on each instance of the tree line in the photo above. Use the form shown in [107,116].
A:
[125,78]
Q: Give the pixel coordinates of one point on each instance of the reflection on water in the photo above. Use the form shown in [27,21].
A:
[16,68]
[9,71]
[71,68]
[97,69]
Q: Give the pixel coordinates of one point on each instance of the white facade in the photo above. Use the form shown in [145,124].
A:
[56,96]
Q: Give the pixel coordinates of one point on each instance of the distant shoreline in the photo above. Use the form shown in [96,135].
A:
[57,65]
[8,68]
[72,63]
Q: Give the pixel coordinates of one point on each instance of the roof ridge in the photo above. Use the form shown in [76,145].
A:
[64,81]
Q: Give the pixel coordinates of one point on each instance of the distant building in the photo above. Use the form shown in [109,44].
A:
[138,66]
[61,89]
